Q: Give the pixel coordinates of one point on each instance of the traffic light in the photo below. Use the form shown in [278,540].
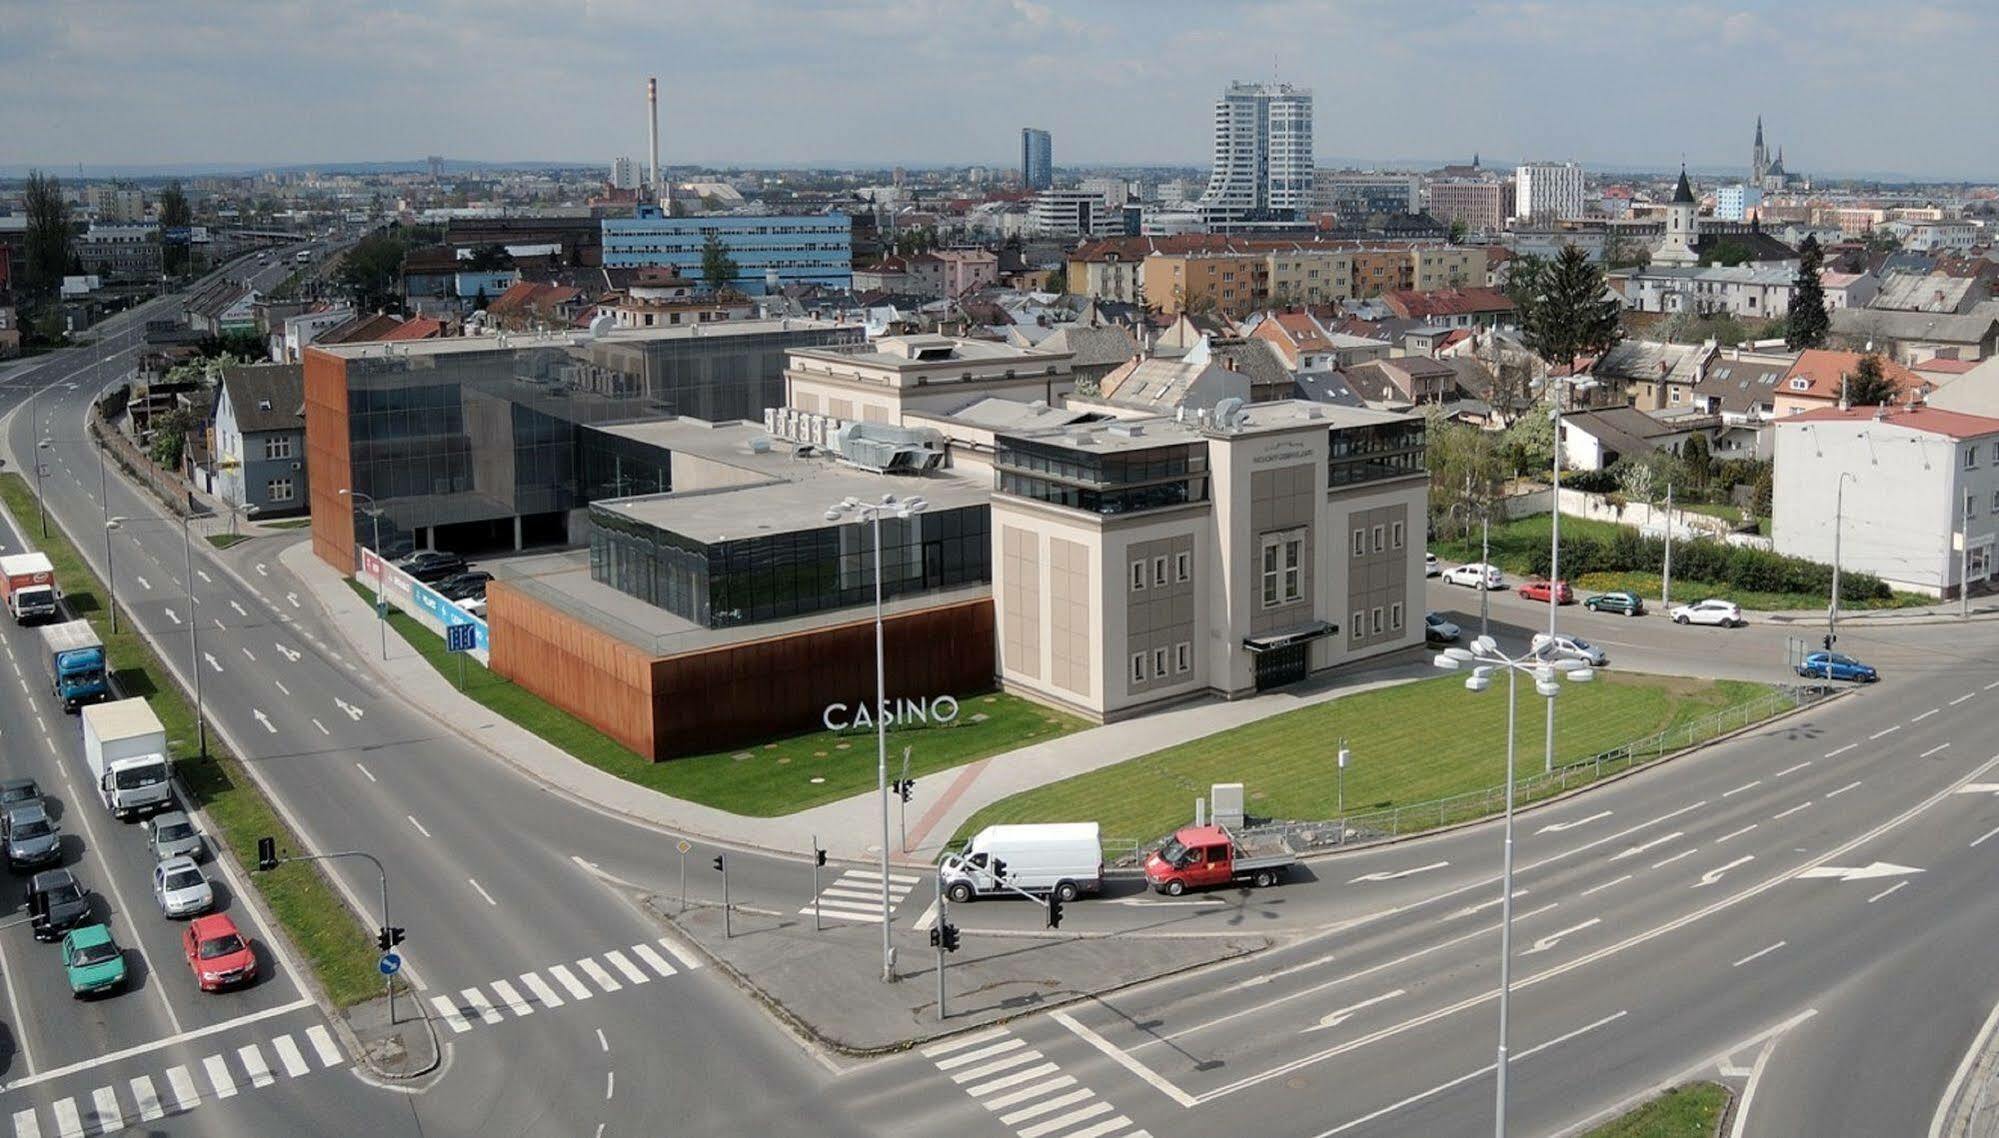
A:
[950,938]
[267,854]
[388,937]
[718,863]
[936,936]
[819,857]
[903,787]
[1054,911]
[998,868]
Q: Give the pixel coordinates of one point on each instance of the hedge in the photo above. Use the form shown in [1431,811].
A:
[1702,559]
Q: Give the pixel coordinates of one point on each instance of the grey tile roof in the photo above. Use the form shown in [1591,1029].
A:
[1880,324]
[266,397]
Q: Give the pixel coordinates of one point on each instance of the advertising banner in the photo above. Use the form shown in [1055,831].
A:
[421,601]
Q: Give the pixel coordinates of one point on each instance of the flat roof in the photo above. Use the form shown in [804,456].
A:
[1113,436]
[515,341]
[881,354]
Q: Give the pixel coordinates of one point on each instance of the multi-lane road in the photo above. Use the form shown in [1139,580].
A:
[1799,910]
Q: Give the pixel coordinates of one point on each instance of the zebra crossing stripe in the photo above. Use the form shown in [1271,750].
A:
[686,956]
[960,1043]
[511,998]
[477,1001]
[68,1125]
[653,960]
[956,1061]
[288,1054]
[596,972]
[25,1125]
[568,980]
[1001,1102]
[1065,1121]
[182,1085]
[624,964]
[108,1115]
[1108,1127]
[1012,1080]
[995,1066]
[322,1045]
[218,1076]
[147,1098]
[541,990]
[1046,1106]
[449,1010]
[253,1062]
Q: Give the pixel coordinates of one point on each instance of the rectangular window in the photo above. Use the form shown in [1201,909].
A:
[1283,567]
[1183,657]
[280,447]
[1395,617]
[1159,570]
[1970,457]
[1360,543]
[1158,662]
[279,489]
[1395,536]
[1183,567]
[1377,539]
[1359,625]
[1137,576]
[1138,667]
[1970,504]
[1377,621]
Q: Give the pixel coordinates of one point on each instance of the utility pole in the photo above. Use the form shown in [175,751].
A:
[1484,559]
[1666,579]
[1838,524]
[818,859]
[943,922]
[1964,566]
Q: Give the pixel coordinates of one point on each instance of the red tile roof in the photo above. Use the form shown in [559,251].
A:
[1825,367]
[1413,305]
[1947,367]
[1932,420]
[416,328]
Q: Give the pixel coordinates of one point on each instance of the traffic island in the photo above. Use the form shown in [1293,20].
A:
[827,984]
[401,1052]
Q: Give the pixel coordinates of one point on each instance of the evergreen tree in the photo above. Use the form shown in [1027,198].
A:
[175,214]
[1808,323]
[49,252]
[1867,385]
[1570,314]
[716,266]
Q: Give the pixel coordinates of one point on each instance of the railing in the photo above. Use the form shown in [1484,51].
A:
[1416,817]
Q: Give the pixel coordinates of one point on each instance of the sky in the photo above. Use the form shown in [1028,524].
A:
[1847,86]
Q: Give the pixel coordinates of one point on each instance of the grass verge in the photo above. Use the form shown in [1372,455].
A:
[225,540]
[335,946]
[764,780]
[1515,543]
[1691,1111]
[1410,743]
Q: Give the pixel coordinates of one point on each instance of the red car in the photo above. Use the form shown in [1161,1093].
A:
[1541,591]
[219,956]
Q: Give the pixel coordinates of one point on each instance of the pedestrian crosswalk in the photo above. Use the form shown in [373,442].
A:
[856,895]
[474,1006]
[1030,1095]
[104,1109]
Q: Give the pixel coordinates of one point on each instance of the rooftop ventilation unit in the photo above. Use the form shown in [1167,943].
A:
[889,449]
[1127,430]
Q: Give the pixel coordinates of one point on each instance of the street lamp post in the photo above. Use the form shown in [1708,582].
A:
[381,610]
[111,571]
[1484,655]
[1832,610]
[873,511]
[1555,552]
[193,639]
[41,502]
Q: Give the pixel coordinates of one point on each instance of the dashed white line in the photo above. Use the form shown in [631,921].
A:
[365,771]
[1845,749]
[282,687]
[1668,861]
[1982,837]
[603,1044]
[1735,833]
[610,1083]
[1962,698]
[1934,750]
[1791,811]
[1885,892]
[1843,789]
[414,822]
[1761,952]
[1743,787]
[1634,851]
[478,888]
[1993,684]
[1604,886]
[1925,715]
[1793,768]
[1886,731]
[322,727]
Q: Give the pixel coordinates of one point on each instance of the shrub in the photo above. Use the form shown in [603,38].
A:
[1703,559]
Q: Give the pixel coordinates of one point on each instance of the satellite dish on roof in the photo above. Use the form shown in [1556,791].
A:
[601,323]
[1228,413]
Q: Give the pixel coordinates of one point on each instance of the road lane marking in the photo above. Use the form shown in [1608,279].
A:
[1304,966]
[1468,910]
[253,1062]
[1993,684]
[596,972]
[1843,789]
[1975,842]
[541,990]
[1634,851]
[1604,886]
[413,821]
[1962,698]
[1791,768]
[324,731]
[1740,789]
[240,610]
[1335,1019]
[1561,827]
[258,714]
[288,1054]
[1736,833]
[1885,892]
[182,1085]
[1117,1055]
[1759,953]
[568,980]
[1552,939]
[1925,715]
[448,1010]
[1714,875]
[610,1084]
[147,1098]
[110,1117]
[1889,731]
[213,663]
[1791,811]
[1841,751]
[1934,750]
[282,687]
[478,888]
[143,583]
[1396,875]
[247,656]
[653,960]
[1674,858]
[1858,872]
[510,998]
[218,1076]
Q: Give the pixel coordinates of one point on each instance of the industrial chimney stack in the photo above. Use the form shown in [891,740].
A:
[652,111]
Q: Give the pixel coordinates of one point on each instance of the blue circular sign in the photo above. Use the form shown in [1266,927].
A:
[390,964]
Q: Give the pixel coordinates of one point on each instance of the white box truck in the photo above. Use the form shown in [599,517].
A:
[1063,858]
[126,750]
[29,584]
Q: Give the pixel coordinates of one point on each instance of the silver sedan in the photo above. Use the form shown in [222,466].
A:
[180,888]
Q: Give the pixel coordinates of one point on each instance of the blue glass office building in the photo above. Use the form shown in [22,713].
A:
[808,249]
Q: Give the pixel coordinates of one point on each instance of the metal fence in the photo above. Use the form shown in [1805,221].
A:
[1416,817]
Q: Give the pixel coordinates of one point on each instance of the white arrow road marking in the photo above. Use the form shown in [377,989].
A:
[1337,1018]
[143,583]
[1634,851]
[1552,939]
[262,571]
[293,598]
[291,654]
[1860,872]
[1560,827]
[1714,875]
[352,711]
[1398,874]
[240,610]
[212,661]
[265,720]
[173,616]
[1979,788]
[203,574]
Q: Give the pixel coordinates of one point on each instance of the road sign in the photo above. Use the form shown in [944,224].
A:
[683,845]
[460,637]
[390,964]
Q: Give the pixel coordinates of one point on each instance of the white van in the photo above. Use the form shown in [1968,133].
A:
[1064,858]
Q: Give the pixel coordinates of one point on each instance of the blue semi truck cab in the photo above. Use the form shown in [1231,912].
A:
[76,663]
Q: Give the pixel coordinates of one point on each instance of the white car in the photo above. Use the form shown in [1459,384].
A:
[1569,648]
[180,888]
[1475,574]
[1727,614]
[1430,566]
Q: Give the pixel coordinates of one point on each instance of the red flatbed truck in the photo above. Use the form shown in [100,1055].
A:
[1203,857]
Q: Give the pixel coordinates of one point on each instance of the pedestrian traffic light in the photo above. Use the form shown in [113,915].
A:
[1054,911]
[904,786]
[718,863]
[819,856]
[388,937]
[998,868]
[1829,638]
[950,939]
[267,854]
[395,935]
[936,936]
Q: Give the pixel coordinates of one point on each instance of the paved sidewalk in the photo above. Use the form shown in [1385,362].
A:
[844,826]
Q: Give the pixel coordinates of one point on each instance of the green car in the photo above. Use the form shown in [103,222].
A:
[1630,604]
[93,961]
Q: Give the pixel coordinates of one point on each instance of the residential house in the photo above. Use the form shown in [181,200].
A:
[1920,509]
[1817,378]
[1915,336]
[1756,291]
[1437,267]
[1595,440]
[1162,385]
[1655,376]
[534,305]
[1402,382]
[289,342]
[1095,351]
[1475,307]
[258,451]
[1848,290]
[1740,388]
[1931,292]
[1270,378]
[890,274]
[1230,283]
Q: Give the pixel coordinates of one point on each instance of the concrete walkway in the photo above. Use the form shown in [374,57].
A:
[849,828]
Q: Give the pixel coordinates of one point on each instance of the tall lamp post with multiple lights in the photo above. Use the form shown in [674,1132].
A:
[872,512]
[381,609]
[1485,657]
[1555,547]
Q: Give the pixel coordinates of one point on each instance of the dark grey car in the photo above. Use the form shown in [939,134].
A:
[30,836]
[57,902]
[17,790]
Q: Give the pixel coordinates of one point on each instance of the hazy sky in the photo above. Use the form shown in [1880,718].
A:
[1844,85]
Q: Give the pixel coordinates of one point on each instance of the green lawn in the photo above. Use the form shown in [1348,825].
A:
[225,540]
[1723,510]
[335,946]
[764,780]
[288,523]
[1691,1111]
[1410,743]
[1515,543]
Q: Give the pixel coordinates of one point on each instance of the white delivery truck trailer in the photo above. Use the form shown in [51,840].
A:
[126,750]
[1062,858]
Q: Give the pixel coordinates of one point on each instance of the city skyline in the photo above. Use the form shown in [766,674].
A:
[1112,94]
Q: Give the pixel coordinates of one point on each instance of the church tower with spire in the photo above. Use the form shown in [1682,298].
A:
[1759,157]
[1682,226]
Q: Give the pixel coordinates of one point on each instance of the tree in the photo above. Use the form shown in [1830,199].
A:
[49,253]
[371,272]
[716,266]
[1523,284]
[1530,442]
[1467,472]
[1728,254]
[1867,385]
[1808,323]
[1763,490]
[1056,282]
[1458,230]
[1621,252]
[1697,462]
[1569,315]
[174,214]
[489,258]
[170,437]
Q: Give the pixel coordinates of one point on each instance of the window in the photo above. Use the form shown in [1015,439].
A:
[1395,617]
[1183,657]
[1359,624]
[1183,567]
[1138,576]
[1995,501]
[1377,539]
[1360,543]
[1800,383]
[279,447]
[1970,457]
[1159,662]
[278,490]
[1159,570]
[1970,504]
[1395,536]
[1138,667]
[1376,622]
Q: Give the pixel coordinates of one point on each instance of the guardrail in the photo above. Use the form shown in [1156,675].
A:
[1437,813]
